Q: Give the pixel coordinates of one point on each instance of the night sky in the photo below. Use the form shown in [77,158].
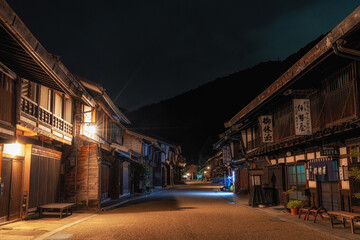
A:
[146,51]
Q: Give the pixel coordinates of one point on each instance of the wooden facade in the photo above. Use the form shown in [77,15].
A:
[310,143]
[36,119]
[62,139]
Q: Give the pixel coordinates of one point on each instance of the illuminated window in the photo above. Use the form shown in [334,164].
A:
[87,114]
[45,97]
[297,178]
[58,105]
[68,110]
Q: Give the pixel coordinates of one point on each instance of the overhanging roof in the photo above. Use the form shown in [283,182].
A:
[22,53]
[98,92]
[320,50]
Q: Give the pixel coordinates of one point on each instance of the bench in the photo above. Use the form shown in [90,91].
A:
[345,216]
[313,211]
[59,207]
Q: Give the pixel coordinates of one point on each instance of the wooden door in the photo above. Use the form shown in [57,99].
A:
[15,193]
[10,199]
[330,196]
[105,174]
[244,179]
[125,177]
[5,195]
[44,180]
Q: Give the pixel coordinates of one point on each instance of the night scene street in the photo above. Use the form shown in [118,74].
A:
[181,119]
[193,211]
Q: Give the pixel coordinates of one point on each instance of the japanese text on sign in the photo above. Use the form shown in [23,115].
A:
[302,113]
[226,154]
[266,125]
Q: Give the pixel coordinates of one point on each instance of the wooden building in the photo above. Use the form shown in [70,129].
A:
[37,93]
[300,132]
[163,158]
[94,163]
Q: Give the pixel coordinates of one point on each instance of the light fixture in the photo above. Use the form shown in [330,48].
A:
[14,149]
[89,129]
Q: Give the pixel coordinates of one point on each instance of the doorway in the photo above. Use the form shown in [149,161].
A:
[10,199]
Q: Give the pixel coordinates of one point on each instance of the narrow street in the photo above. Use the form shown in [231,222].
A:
[195,211]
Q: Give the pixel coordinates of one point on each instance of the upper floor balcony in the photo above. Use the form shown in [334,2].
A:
[39,119]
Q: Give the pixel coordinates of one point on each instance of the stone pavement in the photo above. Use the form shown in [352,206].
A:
[47,227]
[323,226]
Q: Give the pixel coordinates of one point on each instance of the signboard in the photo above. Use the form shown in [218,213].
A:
[266,125]
[256,181]
[343,173]
[302,114]
[226,154]
[331,151]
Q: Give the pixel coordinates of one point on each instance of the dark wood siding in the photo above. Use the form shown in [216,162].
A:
[284,121]
[44,180]
[7,99]
[336,100]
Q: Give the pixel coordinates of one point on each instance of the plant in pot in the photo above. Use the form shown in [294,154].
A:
[294,206]
[285,196]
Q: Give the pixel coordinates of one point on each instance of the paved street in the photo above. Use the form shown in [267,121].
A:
[196,211]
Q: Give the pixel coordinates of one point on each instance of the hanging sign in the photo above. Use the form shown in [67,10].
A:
[266,125]
[302,114]
[226,154]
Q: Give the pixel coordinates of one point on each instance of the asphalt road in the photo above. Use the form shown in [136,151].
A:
[196,211]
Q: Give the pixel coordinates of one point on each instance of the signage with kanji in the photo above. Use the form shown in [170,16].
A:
[266,125]
[226,154]
[302,114]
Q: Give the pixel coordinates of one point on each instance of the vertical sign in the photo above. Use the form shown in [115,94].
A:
[302,117]
[266,125]
[226,154]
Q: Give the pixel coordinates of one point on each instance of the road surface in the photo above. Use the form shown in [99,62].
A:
[195,211]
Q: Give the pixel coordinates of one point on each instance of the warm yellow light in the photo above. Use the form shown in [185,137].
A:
[14,149]
[89,129]
[208,167]
[188,174]
[92,129]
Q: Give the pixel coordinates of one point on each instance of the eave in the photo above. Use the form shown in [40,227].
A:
[22,53]
[319,51]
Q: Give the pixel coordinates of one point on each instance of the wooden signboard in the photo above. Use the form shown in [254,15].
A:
[266,126]
[302,117]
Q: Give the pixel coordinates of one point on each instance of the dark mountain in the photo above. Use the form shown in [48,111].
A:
[195,119]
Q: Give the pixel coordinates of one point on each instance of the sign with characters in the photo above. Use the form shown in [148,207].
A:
[266,125]
[302,114]
[226,154]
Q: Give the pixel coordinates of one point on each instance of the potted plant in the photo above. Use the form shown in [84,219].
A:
[294,206]
[285,196]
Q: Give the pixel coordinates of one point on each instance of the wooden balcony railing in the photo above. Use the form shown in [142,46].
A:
[32,109]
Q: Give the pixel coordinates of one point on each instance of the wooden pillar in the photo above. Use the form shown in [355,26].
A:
[1,152]
[26,181]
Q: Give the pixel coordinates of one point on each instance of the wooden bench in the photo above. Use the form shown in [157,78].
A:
[345,216]
[58,207]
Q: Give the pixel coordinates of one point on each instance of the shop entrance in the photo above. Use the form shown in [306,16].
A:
[330,196]
[10,199]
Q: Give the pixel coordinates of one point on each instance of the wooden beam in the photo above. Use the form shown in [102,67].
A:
[26,179]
